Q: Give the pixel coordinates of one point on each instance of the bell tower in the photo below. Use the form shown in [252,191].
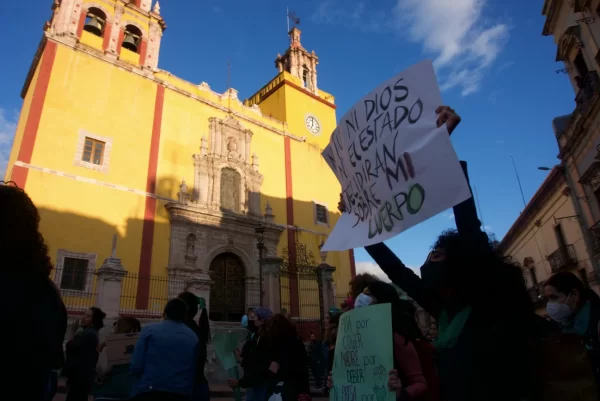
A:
[128,30]
[299,62]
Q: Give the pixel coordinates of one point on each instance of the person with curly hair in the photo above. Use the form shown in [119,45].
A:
[483,327]
[38,325]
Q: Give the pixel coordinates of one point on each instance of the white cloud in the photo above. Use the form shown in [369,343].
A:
[487,228]
[454,32]
[375,270]
[8,126]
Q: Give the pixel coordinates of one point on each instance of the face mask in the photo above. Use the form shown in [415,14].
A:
[559,312]
[252,326]
[435,275]
[363,300]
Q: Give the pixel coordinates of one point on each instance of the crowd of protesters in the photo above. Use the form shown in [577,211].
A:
[488,343]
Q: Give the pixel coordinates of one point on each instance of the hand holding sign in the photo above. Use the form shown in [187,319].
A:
[394,160]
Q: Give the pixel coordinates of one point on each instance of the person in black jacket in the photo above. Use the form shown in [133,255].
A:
[202,330]
[255,357]
[479,300]
[82,356]
[35,316]
[288,371]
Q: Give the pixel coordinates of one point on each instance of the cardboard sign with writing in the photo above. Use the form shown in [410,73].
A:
[119,348]
[396,167]
[363,355]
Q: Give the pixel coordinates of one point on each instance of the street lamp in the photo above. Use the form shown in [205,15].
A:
[260,244]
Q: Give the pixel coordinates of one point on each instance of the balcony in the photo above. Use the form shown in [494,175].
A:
[595,236]
[563,258]
[590,86]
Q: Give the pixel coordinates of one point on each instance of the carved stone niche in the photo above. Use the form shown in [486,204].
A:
[226,176]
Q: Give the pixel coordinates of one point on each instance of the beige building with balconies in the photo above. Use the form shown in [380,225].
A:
[575,27]
[547,238]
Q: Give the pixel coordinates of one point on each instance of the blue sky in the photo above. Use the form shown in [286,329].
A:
[494,67]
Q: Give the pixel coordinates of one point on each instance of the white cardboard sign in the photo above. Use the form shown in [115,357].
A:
[395,166]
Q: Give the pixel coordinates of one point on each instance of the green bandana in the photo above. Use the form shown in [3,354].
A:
[448,333]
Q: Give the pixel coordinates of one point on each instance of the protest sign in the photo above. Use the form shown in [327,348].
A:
[225,345]
[396,167]
[363,355]
[119,348]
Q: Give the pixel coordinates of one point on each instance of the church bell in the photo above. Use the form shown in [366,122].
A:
[94,26]
[129,42]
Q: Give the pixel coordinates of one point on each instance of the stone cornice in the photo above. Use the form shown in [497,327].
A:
[576,131]
[238,223]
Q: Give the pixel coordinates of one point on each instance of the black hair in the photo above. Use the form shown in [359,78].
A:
[468,259]
[191,301]
[20,239]
[97,318]
[403,311]
[249,310]
[204,325]
[566,282]
[176,310]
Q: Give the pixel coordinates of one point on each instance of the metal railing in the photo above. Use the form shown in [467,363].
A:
[589,88]
[595,236]
[147,295]
[564,257]
[77,288]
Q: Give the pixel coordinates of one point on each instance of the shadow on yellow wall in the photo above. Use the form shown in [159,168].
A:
[87,234]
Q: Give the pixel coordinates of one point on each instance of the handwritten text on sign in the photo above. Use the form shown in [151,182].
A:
[363,355]
[395,166]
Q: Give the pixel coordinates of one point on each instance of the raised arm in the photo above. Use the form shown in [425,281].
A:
[399,274]
[404,277]
[465,215]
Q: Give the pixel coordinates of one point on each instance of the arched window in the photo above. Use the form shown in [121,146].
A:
[132,38]
[227,294]
[305,74]
[95,22]
[230,189]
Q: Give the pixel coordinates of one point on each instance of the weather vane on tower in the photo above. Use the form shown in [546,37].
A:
[293,17]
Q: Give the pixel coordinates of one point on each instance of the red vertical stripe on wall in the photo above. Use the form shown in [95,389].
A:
[107,33]
[143,289]
[19,175]
[143,49]
[352,263]
[120,40]
[291,234]
[82,18]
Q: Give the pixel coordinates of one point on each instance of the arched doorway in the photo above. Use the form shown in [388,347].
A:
[228,293]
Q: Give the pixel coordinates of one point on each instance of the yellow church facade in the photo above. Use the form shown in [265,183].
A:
[107,143]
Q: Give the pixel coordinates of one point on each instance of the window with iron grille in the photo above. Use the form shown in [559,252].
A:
[322,214]
[93,151]
[74,274]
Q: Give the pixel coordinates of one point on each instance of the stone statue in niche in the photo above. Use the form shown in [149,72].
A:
[232,147]
[190,248]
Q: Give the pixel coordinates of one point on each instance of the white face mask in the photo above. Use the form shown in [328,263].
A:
[559,312]
[362,300]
